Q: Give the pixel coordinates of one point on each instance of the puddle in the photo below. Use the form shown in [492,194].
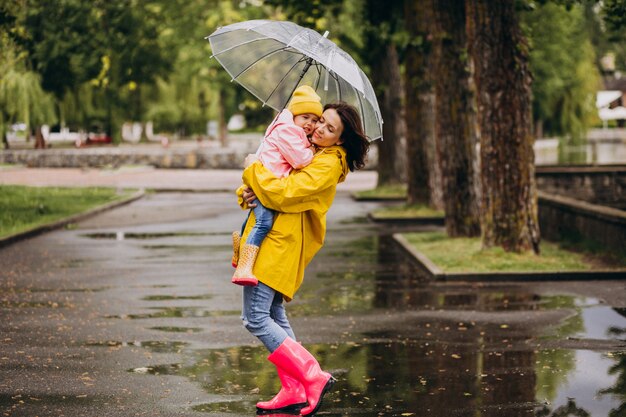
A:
[174,329]
[157,370]
[176,312]
[434,379]
[235,407]
[153,286]
[79,290]
[143,236]
[438,368]
[33,304]
[73,263]
[176,297]
[156,346]
[592,322]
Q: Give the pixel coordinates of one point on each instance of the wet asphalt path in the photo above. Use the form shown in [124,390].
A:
[132,313]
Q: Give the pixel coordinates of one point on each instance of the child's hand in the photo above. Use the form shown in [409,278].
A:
[250,159]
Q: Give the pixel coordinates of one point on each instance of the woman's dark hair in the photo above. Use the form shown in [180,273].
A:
[354,140]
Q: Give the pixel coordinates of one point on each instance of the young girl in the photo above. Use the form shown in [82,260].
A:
[284,147]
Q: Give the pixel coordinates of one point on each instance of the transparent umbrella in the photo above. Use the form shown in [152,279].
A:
[272,58]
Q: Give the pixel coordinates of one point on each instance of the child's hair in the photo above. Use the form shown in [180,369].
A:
[355,142]
[305,100]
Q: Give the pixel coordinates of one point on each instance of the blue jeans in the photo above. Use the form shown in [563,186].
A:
[264,221]
[264,316]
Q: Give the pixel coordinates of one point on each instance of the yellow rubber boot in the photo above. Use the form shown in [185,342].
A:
[243,274]
[236,243]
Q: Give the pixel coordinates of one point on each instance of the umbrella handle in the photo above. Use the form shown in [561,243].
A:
[309,62]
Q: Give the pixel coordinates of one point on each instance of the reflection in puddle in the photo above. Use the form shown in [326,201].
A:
[174,312]
[593,381]
[156,346]
[32,304]
[157,370]
[173,329]
[435,367]
[73,263]
[434,379]
[177,297]
[234,406]
[79,290]
[142,236]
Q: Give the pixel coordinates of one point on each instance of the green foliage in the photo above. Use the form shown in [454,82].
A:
[190,95]
[306,13]
[614,12]
[23,208]
[564,69]
[22,98]
[407,212]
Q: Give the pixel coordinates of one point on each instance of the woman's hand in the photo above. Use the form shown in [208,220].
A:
[249,196]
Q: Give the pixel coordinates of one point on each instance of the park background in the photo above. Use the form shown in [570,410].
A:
[128,306]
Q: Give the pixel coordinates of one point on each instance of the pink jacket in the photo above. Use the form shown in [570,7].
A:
[285,146]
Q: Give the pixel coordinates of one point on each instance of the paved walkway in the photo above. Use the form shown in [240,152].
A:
[132,313]
[151,178]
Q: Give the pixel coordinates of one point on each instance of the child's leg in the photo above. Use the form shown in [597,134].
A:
[245,222]
[237,242]
[264,219]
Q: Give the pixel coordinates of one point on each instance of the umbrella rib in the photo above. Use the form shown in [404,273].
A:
[259,59]
[241,44]
[319,76]
[335,77]
[280,82]
[362,109]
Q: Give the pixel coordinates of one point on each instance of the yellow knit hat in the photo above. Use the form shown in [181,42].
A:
[305,100]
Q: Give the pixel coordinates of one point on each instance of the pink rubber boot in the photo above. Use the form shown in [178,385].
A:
[300,364]
[290,399]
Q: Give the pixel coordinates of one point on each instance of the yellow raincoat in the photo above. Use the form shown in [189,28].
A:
[301,201]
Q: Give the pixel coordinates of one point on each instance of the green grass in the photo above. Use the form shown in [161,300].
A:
[466,255]
[389,191]
[405,212]
[23,208]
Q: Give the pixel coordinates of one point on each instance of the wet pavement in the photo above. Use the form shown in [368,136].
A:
[132,313]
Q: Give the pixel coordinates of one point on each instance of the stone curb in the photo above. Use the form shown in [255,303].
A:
[435,272]
[8,240]
[191,190]
[390,198]
[418,221]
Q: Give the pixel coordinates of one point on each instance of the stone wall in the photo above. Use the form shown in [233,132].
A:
[594,184]
[565,218]
[115,157]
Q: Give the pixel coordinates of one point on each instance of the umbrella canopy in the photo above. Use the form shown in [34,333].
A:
[273,58]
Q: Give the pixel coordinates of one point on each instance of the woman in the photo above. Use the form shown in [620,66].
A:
[301,201]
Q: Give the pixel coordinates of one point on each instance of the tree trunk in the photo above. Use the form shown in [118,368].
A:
[223,124]
[509,195]
[392,159]
[40,143]
[381,21]
[423,172]
[455,122]
[5,140]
